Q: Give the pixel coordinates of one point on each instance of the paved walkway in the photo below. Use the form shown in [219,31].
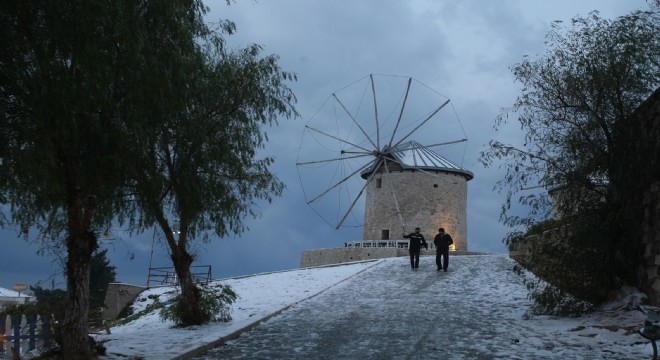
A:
[391,312]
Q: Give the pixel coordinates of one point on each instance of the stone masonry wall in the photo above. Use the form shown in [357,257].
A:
[644,171]
[321,257]
[427,201]
[641,169]
[528,251]
[118,297]
[651,242]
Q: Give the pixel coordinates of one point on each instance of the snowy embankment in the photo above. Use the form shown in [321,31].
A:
[259,297]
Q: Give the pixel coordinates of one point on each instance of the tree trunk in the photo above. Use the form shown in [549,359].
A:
[81,242]
[75,342]
[190,295]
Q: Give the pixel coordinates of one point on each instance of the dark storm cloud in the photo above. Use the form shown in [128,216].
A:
[462,49]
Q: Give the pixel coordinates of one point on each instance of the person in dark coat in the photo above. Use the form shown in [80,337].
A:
[442,242]
[414,248]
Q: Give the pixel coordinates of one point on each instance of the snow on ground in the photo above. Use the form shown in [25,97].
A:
[486,298]
[259,296]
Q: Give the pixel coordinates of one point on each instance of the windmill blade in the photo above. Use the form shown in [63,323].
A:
[341,182]
[446,143]
[361,154]
[403,106]
[422,123]
[336,138]
[373,91]
[354,121]
[380,160]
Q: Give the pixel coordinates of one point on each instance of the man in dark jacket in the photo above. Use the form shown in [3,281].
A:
[414,248]
[442,242]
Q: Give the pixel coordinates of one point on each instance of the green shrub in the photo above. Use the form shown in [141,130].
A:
[136,315]
[550,300]
[214,302]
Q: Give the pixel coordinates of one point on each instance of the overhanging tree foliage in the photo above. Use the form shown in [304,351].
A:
[60,134]
[574,98]
[77,79]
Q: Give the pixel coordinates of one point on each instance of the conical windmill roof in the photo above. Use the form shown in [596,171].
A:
[413,155]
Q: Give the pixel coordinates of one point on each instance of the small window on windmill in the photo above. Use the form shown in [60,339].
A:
[379,183]
[384,234]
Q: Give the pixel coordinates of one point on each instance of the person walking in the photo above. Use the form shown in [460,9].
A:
[415,247]
[442,242]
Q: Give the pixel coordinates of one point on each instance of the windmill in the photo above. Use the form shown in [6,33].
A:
[363,137]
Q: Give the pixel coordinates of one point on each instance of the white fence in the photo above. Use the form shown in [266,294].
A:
[400,244]
[24,333]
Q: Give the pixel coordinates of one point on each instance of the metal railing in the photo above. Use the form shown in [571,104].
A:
[399,244]
[167,276]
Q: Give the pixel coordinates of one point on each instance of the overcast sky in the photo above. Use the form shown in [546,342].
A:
[462,49]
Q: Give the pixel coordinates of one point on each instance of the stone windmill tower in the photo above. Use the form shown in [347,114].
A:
[416,188]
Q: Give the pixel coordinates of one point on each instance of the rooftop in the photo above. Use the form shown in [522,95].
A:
[413,155]
[11,293]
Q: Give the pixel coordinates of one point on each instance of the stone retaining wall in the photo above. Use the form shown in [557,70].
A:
[643,170]
[118,297]
[321,257]
[640,170]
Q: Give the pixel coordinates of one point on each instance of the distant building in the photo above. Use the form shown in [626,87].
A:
[566,198]
[10,297]
[430,190]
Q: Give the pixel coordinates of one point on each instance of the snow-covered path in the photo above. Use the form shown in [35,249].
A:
[474,311]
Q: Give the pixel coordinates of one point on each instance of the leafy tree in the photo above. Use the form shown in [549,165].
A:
[49,298]
[60,136]
[101,274]
[77,78]
[199,172]
[575,99]
[215,304]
